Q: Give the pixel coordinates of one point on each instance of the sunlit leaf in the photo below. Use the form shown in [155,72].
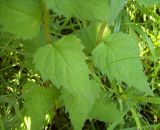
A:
[64,64]
[118,58]
[38,102]
[22,18]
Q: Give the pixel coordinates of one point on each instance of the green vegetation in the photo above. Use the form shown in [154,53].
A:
[79,64]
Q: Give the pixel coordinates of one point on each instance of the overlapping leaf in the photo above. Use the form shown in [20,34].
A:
[88,37]
[118,58]
[64,64]
[114,9]
[105,110]
[38,102]
[84,9]
[87,9]
[22,18]
[30,46]
[78,106]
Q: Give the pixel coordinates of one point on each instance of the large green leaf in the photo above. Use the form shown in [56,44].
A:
[22,18]
[100,10]
[64,64]
[118,58]
[38,102]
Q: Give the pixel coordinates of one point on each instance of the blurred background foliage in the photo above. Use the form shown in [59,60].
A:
[16,68]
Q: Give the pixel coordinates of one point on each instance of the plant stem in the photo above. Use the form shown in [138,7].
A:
[63,25]
[136,118]
[46,23]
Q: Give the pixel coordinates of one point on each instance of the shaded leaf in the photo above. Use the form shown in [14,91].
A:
[30,47]
[105,111]
[88,37]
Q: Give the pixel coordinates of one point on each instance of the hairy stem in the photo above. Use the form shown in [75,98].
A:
[46,23]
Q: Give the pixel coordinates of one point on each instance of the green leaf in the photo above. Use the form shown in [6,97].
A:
[98,10]
[38,102]
[148,2]
[22,18]
[83,9]
[118,58]
[115,7]
[88,37]
[79,106]
[105,111]
[64,64]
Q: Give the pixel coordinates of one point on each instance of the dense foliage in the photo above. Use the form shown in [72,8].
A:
[79,64]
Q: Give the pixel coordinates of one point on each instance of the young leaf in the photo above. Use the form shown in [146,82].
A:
[22,18]
[64,64]
[118,58]
[38,102]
